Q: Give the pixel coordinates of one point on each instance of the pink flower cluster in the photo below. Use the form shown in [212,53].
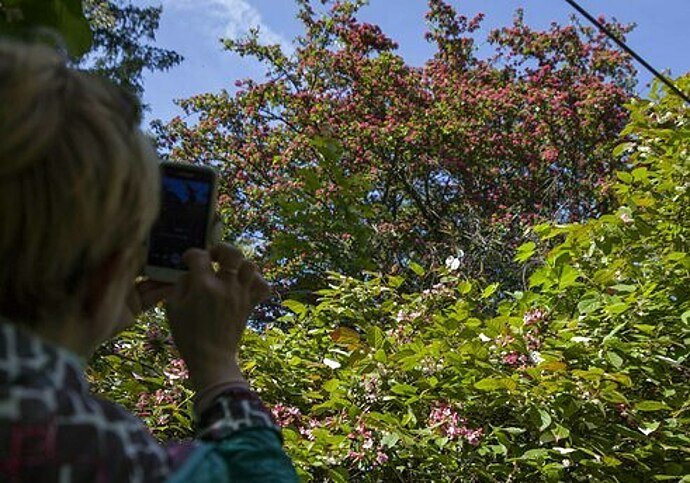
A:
[286,415]
[515,359]
[177,370]
[372,385]
[161,397]
[400,334]
[367,445]
[534,316]
[452,425]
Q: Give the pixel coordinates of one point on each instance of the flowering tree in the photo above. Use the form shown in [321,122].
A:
[346,158]
[581,377]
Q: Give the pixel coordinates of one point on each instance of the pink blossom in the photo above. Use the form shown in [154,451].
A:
[286,415]
[626,218]
[533,316]
[452,425]
[381,457]
[177,370]
[355,456]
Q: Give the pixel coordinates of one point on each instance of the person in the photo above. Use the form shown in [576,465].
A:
[78,196]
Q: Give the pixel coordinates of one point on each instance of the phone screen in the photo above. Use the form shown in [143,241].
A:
[183,219]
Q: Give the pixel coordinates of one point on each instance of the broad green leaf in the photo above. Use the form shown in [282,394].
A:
[552,366]
[417,268]
[390,439]
[685,316]
[489,384]
[404,389]
[332,385]
[624,288]
[295,306]
[649,428]
[375,337]
[621,148]
[614,359]
[525,252]
[535,454]
[587,306]
[651,406]
[489,291]
[345,335]
[545,419]
[568,277]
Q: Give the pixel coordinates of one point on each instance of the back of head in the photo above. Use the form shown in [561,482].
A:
[78,180]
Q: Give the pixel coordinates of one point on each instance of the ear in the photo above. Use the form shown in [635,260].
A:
[99,282]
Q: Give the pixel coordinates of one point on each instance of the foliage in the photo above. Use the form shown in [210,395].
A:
[122,51]
[106,37]
[347,158]
[26,17]
[143,370]
[584,376]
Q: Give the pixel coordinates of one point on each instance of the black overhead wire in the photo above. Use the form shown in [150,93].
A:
[630,51]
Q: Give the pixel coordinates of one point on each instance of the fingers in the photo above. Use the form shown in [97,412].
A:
[216,230]
[199,263]
[246,273]
[228,257]
[151,293]
[260,289]
[234,268]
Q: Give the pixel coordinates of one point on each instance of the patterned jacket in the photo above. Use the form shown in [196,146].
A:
[53,430]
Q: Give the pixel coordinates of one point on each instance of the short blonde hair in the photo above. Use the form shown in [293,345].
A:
[78,181]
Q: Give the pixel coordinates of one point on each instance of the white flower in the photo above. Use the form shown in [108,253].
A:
[484,338]
[536,357]
[331,363]
[583,340]
[626,218]
[452,263]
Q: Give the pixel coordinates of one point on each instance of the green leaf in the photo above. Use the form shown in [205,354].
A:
[610,461]
[616,308]
[375,337]
[380,356]
[464,287]
[685,316]
[525,252]
[417,268]
[567,277]
[404,390]
[332,385]
[624,177]
[587,306]
[489,291]
[338,475]
[621,148]
[489,384]
[545,419]
[295,306]
[624,288]
[389,440]
[614,359]
[649,428]
[651,406]
[535,454]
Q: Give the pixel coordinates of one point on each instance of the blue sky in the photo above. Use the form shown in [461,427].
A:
[193,27]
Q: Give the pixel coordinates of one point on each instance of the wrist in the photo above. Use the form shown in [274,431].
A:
[204,376]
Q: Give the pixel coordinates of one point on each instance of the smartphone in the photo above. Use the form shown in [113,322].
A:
[188,203]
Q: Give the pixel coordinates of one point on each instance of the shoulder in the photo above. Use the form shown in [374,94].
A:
[86,437]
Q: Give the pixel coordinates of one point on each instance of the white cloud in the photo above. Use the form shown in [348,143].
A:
[229,19]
